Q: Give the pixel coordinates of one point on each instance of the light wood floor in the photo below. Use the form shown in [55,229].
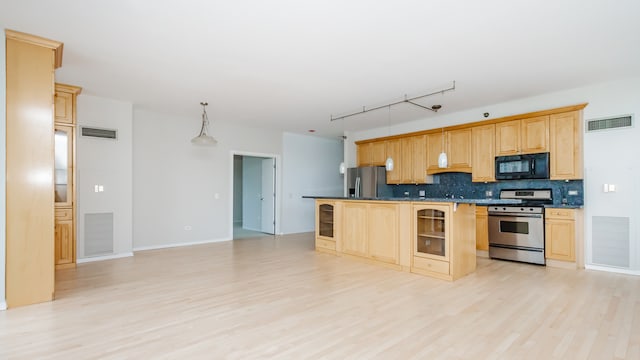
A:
[274,297]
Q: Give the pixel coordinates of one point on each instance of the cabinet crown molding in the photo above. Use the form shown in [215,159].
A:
[477,123]
[54,45]
[75,90]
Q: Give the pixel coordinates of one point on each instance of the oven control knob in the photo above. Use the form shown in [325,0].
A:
[521,209]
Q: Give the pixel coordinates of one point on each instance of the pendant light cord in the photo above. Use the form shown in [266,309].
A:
[205,119]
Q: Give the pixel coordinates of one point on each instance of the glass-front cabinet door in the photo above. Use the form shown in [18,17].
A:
[325,220]
[63,162]
[431,231]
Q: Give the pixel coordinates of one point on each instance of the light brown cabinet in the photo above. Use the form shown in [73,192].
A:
[371,230]
[444,242]
[383,232]
[418,160]
[372,153]
[473,149]
[64,238]
[456,144]
[394,150]
[483,153]
[482,228]
[435,145]
[64,175]
[526,136]
[459,150]
[355,229]
[64,105]
[560,234]
[565,146]
[408,155]
[328,216]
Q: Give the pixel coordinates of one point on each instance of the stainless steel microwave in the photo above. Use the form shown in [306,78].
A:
[525,166]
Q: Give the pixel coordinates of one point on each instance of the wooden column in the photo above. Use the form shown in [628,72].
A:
[30,65]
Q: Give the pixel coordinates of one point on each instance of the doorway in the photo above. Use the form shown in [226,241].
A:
[254,195]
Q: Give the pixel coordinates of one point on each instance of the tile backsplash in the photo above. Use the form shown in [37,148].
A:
[459,184]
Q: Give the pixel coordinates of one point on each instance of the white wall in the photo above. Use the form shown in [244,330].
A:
[310,167]
[613,153]
[105,162]
[175,183]
[3,147]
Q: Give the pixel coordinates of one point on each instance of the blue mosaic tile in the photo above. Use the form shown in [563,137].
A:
[459,184]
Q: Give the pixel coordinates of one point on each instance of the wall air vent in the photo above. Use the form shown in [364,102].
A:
[610,123]
[98,234]
[99,133]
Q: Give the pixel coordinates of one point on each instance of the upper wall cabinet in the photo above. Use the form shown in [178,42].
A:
[483,153]
[372,153]
[565,158]
[435,145]
[456,144]
[394,150]
[418,149]
[472,148]
[459,150]
[408,154]
[526,136]
[64,107]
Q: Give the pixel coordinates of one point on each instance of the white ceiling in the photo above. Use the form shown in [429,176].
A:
[293,64]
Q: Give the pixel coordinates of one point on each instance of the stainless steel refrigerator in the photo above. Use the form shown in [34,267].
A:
[367,182]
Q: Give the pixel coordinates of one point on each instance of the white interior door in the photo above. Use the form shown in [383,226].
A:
[268,196]
[252,193]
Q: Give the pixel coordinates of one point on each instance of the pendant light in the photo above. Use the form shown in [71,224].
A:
[203,138]
[389,163]
[442,158]
[342,167]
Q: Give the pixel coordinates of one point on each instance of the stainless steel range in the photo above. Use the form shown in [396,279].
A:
[516,232]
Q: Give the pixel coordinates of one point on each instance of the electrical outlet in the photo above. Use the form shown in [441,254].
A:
[572,192]
[488,193]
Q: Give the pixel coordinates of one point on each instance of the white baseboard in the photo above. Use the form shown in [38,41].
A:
[612,269]
[166,246]
[3,305]
[102,258]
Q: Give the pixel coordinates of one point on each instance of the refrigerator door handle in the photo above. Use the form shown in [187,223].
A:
[357,187]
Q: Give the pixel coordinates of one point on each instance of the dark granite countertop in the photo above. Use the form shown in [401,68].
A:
[564,206]
[486,202]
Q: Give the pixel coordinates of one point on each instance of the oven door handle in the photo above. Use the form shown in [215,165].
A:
[536,216]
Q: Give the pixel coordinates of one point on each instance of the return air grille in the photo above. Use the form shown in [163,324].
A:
[99,133]
[98,234]
[609,123]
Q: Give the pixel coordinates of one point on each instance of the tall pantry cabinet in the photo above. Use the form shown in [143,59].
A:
[64,175]
[30,65]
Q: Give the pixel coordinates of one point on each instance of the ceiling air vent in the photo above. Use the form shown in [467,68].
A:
[99,133]
[610,123]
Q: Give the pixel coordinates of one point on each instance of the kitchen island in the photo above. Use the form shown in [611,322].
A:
[429,236]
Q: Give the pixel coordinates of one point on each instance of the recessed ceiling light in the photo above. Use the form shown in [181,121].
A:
[311,130]
[436,107]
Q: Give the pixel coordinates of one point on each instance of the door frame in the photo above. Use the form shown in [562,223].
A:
[277,182]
